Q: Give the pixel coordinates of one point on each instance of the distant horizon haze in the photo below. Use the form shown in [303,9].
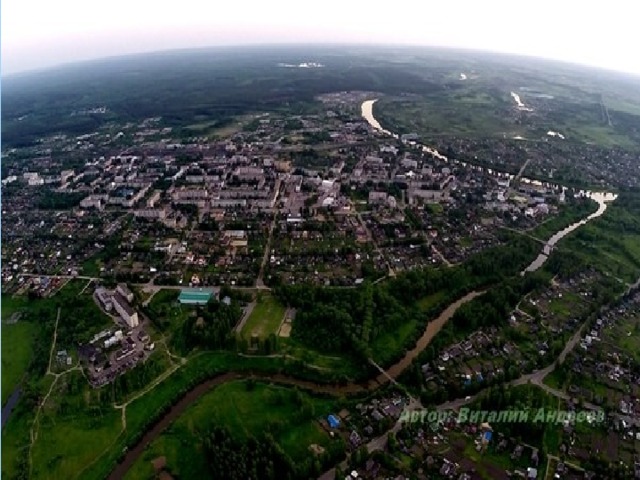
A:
[37,34]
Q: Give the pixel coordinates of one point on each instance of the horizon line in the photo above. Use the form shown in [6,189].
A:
[69,64]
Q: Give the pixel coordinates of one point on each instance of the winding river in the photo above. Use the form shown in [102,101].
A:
[393,371]
[601,198]
[432,328]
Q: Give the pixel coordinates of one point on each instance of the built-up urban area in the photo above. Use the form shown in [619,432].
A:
[177,240]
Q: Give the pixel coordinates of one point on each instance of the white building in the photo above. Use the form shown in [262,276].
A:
[124,309]
[123,290]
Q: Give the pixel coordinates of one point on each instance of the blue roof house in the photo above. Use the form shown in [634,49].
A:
[333,421]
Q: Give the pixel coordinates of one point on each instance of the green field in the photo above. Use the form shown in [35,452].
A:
[17,344]
[17,348]
[265,318]
[15,441]
[387,346]
[67,444]
[431,301]
[288,415]
[335,364]
[215,129]
[11,305]
[472,112]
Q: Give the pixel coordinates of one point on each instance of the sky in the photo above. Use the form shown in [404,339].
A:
[42,33]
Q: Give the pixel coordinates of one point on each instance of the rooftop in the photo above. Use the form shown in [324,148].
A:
[192,296]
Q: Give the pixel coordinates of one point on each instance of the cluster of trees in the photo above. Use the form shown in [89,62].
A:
[209,225]
[188,209]
[52,200]
[137,378]
[255,458]
[79,317]
[209,328]
[493,307]
[313,138]
[523,398]
[349,320]
[263,346]
[261,457]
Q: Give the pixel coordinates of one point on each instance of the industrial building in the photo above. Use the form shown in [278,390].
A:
[194,297]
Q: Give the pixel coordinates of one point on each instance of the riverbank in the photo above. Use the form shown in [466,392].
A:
[602,198]
[11,403]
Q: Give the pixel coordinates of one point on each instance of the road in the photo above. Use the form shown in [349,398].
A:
[535,378]
[516,179]
[81,277]
[392,273]
[245,315]
[441,256]
[267,250]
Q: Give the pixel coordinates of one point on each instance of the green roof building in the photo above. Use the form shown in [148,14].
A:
[190,296]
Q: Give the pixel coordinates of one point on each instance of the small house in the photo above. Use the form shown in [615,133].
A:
[333,421]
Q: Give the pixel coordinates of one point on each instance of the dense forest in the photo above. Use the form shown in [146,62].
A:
[349,320]
[206,326]
[258,458]
[230,459]
[223,83]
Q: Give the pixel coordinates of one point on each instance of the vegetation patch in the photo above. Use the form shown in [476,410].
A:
[246,409]
[265,319]
[17,351]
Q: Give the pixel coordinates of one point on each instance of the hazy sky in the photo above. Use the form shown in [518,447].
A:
[42,33]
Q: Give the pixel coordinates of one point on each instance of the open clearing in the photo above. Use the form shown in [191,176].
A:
[245,411]
[17,342]
[265,318]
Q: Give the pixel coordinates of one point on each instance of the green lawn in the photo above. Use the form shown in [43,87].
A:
[11,304]
[165,298]
[337,364]
[65,446]
[627,336]
[17,348]
[265,317]
[485,461]
[15,441]
[245,412]
[435,208]
[554,380]
[431,301]
[17,344]
[389,345]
